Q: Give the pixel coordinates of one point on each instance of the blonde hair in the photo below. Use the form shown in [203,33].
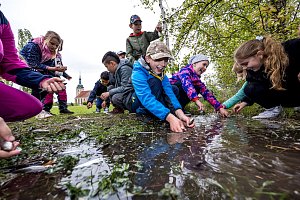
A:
[51,34]
[239,71]
[275,58]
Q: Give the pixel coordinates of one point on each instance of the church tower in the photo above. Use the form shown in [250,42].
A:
[79,87]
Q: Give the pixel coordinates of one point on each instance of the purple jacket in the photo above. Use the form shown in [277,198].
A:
[11,67]
[192,84]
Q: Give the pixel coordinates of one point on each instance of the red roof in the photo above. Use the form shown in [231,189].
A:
[83,94]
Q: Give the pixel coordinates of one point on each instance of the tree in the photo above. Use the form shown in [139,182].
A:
[24,36]
[217,27]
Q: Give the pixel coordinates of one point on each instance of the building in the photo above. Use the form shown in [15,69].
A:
[81,95]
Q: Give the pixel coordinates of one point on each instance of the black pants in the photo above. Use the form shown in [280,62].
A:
[158,91]
[269,98]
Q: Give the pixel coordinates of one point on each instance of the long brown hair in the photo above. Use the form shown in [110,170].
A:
[275,58]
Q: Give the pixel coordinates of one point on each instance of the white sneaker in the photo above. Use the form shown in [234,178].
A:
[43,114]
[297,109]
[106,110]
[269,113]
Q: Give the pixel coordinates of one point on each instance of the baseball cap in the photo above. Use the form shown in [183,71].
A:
[121,52]
[157,49]
[134,18]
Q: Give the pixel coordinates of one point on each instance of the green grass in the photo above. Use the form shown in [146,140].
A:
[77,109]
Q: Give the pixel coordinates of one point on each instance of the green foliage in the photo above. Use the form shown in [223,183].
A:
[118,178]
[217,27]
[76,192]
[24,36]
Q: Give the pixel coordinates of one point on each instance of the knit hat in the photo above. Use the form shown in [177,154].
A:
[157,49]
[197,58]
[134,18]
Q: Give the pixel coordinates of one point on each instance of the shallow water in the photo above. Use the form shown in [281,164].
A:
[234,158]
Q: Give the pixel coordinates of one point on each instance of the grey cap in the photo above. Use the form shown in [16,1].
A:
[198,58]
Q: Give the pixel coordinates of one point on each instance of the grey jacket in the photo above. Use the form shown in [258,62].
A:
[122,78]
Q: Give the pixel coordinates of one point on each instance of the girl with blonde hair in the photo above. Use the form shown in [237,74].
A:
[42,54]
[272,74]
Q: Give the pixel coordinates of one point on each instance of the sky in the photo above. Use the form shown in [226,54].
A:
[88,29]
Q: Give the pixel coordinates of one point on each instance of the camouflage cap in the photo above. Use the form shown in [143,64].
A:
[157,50]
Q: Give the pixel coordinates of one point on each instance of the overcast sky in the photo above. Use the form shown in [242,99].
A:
[89,29]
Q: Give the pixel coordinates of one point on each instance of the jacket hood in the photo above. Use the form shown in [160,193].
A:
[143,63]
[122,63]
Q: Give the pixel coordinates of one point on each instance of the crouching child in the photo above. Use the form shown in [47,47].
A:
[153,94]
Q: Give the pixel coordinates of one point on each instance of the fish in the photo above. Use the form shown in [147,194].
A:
[97,160]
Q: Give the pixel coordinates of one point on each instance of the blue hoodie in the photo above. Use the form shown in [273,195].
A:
[140,76]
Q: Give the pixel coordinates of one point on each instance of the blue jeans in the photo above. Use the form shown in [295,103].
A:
[158,91]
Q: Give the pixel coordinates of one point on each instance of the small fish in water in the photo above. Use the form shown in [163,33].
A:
[201,112]
[191,121]
[6,145]
[31,169]
[97,160]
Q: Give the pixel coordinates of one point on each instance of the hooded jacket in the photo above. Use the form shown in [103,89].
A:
[122,78]
[140,77]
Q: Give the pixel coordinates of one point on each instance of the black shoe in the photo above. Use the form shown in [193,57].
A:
[66,111]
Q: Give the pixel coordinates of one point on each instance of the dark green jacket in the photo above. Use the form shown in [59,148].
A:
[137,45]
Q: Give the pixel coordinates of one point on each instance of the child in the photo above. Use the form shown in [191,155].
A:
[99,88]
[121,54]
[272,74]
[121,70]
[190,85]
[138,41]
[241,75]
[153,92]
[41,54]
[15,104]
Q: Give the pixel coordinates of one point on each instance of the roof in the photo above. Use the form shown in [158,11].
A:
[83,94]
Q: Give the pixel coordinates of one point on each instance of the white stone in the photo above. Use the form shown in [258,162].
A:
[7,146]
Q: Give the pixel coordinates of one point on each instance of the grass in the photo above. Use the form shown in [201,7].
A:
[77,109]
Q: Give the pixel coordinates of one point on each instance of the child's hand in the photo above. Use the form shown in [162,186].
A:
[61,68]
[224,112]
[200,105]
[104,95]
[54,84]
[89,105]
[6,135]
[238,107]
[103,105]
[176,125]
[189,122]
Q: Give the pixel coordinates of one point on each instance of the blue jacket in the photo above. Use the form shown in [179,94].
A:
[140,76]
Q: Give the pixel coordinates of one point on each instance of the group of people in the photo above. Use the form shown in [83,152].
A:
[139,83]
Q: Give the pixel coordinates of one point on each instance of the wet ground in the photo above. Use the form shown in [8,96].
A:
[118,157]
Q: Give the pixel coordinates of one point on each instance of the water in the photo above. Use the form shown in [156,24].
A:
[234,158]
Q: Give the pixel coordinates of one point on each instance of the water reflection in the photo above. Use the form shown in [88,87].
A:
[234,158]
